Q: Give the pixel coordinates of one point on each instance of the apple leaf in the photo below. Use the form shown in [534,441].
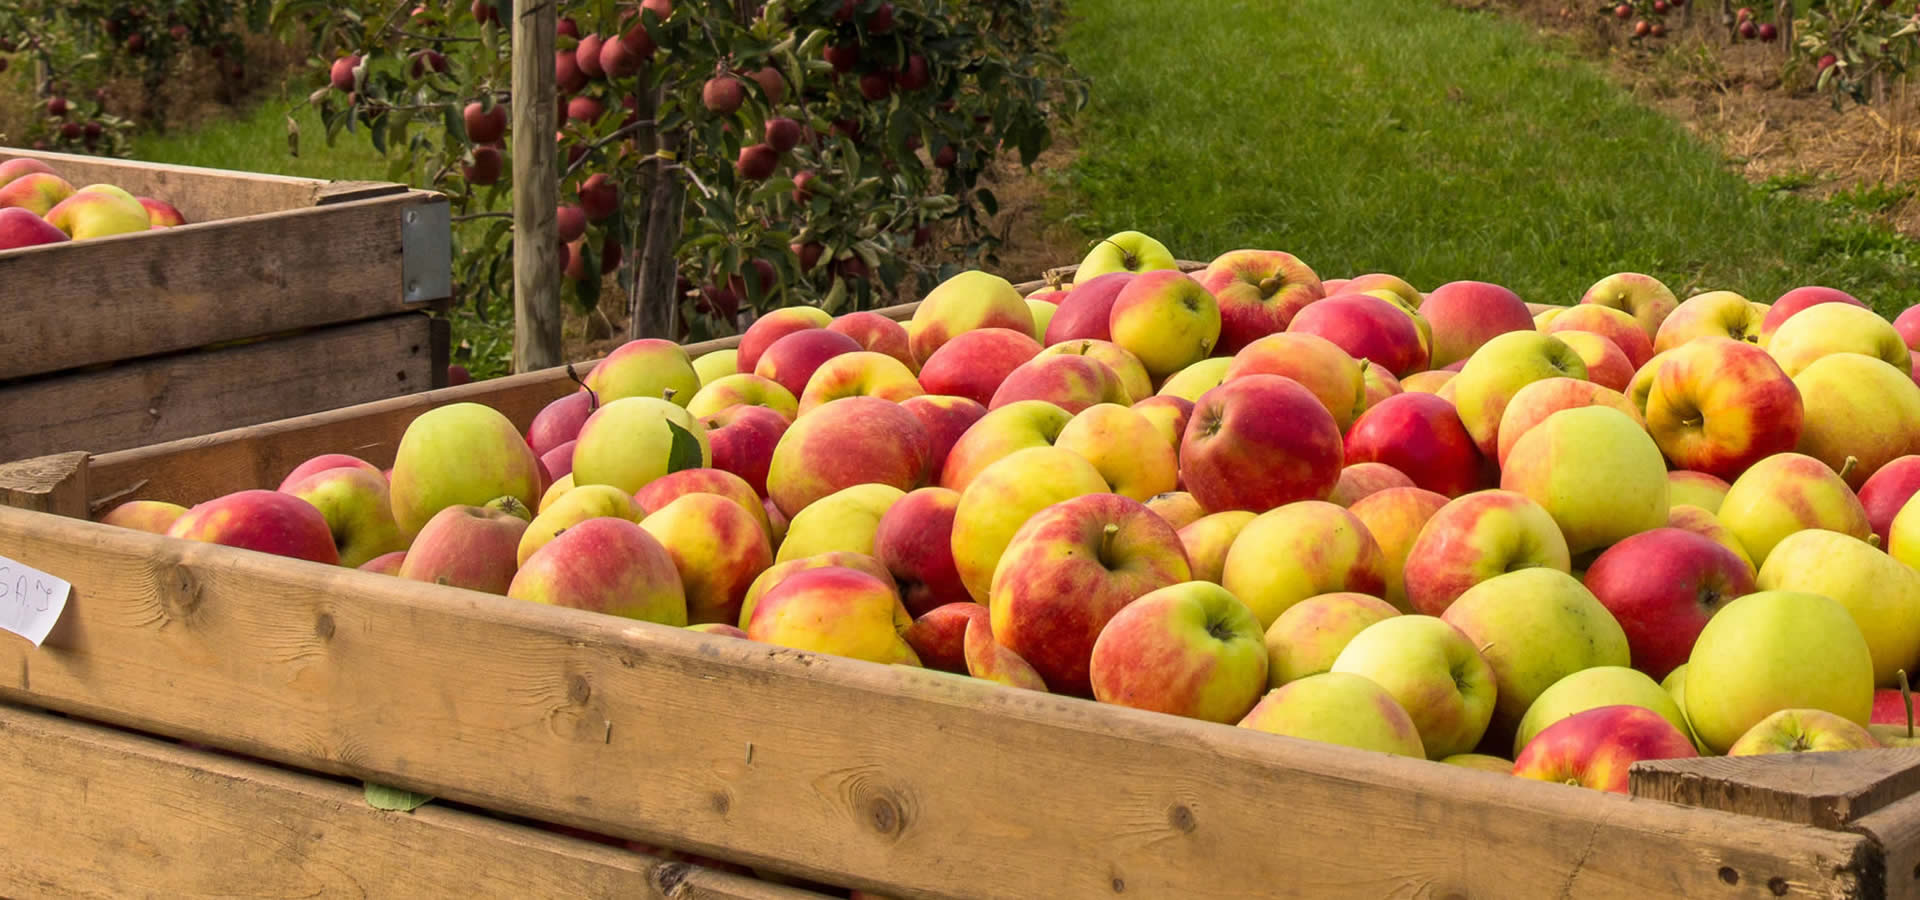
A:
[686,450]
[380,796]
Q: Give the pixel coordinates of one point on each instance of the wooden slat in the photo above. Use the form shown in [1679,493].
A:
[1826,790]
[145,401]
[1895,829]
[51,484]
[135,295]
[882,778]
[200,194]
[106,813]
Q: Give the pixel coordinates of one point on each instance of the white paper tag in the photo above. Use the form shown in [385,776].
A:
[30,600]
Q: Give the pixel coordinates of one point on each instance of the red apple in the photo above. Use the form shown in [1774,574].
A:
[1421,436]
[1596,748]
[1662,586]
[1367,327]
[1887,491]
[915,542]
[559,422]
[1908,325]
[1070,382]
[772,327]
[939,635]
[853,440]
[265,521]
[743,438]
[875,332]
[973,364]
[322,463]
[606,565]
[22,228]
[1798,299]
[1466,314]
[1258,442]
[1086,310]
[472,547]
[1259,293]
[792,359]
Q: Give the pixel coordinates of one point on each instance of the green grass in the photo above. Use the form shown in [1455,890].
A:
[255,140]
[1408,137]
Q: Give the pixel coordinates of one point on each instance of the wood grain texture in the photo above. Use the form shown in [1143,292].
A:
[146,401]
[1825,790]
[135,295]
[896,780]
[108,813]
[51,484]
[200,194]
[536,192]
[1895,829]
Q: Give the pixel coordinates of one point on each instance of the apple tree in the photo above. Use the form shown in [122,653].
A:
[1856,47]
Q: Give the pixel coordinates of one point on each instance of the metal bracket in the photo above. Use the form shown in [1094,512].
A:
[426,252]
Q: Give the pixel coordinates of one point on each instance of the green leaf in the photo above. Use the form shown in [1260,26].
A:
[380,796]
[686,450]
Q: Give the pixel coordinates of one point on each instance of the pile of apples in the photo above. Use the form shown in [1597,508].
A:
[37,206]
[1537,539]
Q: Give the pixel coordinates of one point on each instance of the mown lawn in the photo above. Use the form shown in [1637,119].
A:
[255,140]
[1410,137]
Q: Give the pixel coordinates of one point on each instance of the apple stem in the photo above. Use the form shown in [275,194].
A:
[1906,698]
[593,399]
[1106,540]
[667,394]
[1127,260]
[1846,468]
[1270,284]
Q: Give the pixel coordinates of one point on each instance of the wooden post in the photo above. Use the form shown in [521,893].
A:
[536,191]
[657,308]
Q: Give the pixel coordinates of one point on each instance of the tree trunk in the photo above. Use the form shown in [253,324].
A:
[536,193]
[657,305]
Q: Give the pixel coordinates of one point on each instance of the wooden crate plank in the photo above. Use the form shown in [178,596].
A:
[107,813]
[1825,790]
[1895,828]
[883,778]
[200,194]
[145,401]
[135,295]
[52,484]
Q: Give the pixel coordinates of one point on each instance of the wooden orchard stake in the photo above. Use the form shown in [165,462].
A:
[536,192]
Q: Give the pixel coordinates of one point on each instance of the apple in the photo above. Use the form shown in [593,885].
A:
[838,611]
[1592,688]
[1641,296]
[1378,281]
[989,660]
[19,167]
[649,367]
[1189,649]
[1881,593]
[1718,406]
[1168,415]
[1613,324]
[1830,328]
[461,454]
[1301,550]
[1776,650]
[1166,319]
[862,373]
[779,571]
[855,440]
[1534,627]
[1598,747]
[968,301]
[773,326]
[1208,539]
[1498,370]
[914,540]
[1319,365]
[1366,327]
[324,462]
[1858,410]
[358,511]
[1307,638]
[717,364]
[938,636]
[1532,404]
[1087,310]
[1606,365]
[1421,436]
[1785,493]
[998,434]
[1176,508]
[1662,586]
[1377,385]
[1719,314]
[1794,301]
[1889,489]
[93,212]
[605,565]
[1476,537]
[973,364]
[1070,382]
[385,563]
[793,359]
[1395,517]
[1707,525]
[1361,480]
[1259,292]
[561,487]
[1802,731]
[1433,672]
[1126,449]
[593,501]
[1003,497]
[1126,367]
[259,520]
[473,547]
[665,490]
[846,520]
[1338,708]
[21,228]
[877,333]
[1685,488]
[1042,316]
[559,422]
[719,549]
[37,193]
[1258,442]
[1189,383]
[1429,382]
[1127,251]
[629,442]
[1595,471]
[945,418]
[1465,315]
[744,388]
[152,516]
[742,439]
[1484,762]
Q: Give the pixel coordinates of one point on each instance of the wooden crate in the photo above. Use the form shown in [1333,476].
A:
[284,296]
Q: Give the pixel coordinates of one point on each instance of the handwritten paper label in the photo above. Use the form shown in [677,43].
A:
[30,600]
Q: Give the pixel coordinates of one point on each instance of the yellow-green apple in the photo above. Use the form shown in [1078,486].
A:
[1802,731]
[1881,593]
[1707,525]
[1597,748]
[1259,292]
[835,610]
[1675,684]
[742,440]
[1258,442]
[1688,488]
[1903,534]
[1467,314]
[1831,328]
[605,565]
[1377,385]
[1433,672]
[462,454]
[1641,387]
[1606,364]
[1168,415]
[649,367]
[997,502]
[1395,517]
[1070,382]
[1792,302]
[1337,708]
[559,422]
[1545,317]
[1430,382]
[939,635]
[1376,281]
[1717,406]
[876,333]
[946,418]
[779,571]
[862,373]
[1785,493]
[974,363]
[744,389]
[854,440]
[1176,508]
[845,520]
[1126,251]
[1126,449]
[21,166]
[260,520]
[92,213]
[1421,436]
[1309,636]
[1884,494]
[1857,409]
[792,360]
[989,660]
[1042,316]
[720,628]
[21,228]
[1720,314]
[716,364]
[1319,365]
[662,491]
[1166,319]
[1662,586]
[152,516]
[1595,471]
[324,462]
[593,501]
[472,547]
[1133,376]
[1476,537]
[997,435]
[718,548]
[1535,627]
[1068,570]
[1592,688]
[1361,480]
[35,192]
[1368,328]
[966,302]
[1302,550]
[1615,325]
[629,442]
[1189,383]
[358,511]
[773,326]
[1485,762]
[1207,540]
[385,563]
[1085,311]
[1641,296]
[1498,370]
[1189,649]
[914,540]
[1776,650]
[1535,402]
[561,487]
